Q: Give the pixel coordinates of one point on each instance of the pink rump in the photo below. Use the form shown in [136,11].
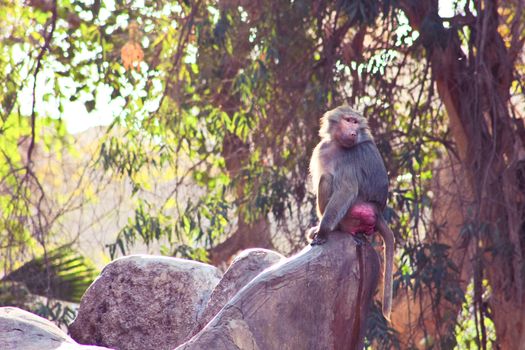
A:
[361,219]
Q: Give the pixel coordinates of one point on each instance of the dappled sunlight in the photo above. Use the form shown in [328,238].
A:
[186,129]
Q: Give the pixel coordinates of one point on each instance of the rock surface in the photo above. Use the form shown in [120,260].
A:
[22,330]
[248,264]
[144,302]
[317,299]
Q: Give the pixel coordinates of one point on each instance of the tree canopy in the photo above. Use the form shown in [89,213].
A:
[224,99]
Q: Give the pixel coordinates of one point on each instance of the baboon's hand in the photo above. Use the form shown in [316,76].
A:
[317,235]
[312,232]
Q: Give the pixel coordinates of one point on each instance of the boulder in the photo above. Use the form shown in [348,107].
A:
[22,330]
[248,264]
[317,299]
[144,302]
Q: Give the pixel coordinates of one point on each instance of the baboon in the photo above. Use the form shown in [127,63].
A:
[351,184]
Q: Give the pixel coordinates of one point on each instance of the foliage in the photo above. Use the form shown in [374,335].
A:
[14,294]
[466,327]
[225,96]
[379,333]
[60,274]
[59,313]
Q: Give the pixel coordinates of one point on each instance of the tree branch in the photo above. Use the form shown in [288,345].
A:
[39,60]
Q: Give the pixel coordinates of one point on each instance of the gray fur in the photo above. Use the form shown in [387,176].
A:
[358,171]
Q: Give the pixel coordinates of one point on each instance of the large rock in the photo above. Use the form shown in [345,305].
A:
[22,330]
[144,302]
[318,299]
[243,269]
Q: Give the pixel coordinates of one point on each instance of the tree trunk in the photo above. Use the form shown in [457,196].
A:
[254,234]
[247,235]
[475,90]
[418,321]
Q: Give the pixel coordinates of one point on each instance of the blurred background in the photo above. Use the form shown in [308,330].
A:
[185,128]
